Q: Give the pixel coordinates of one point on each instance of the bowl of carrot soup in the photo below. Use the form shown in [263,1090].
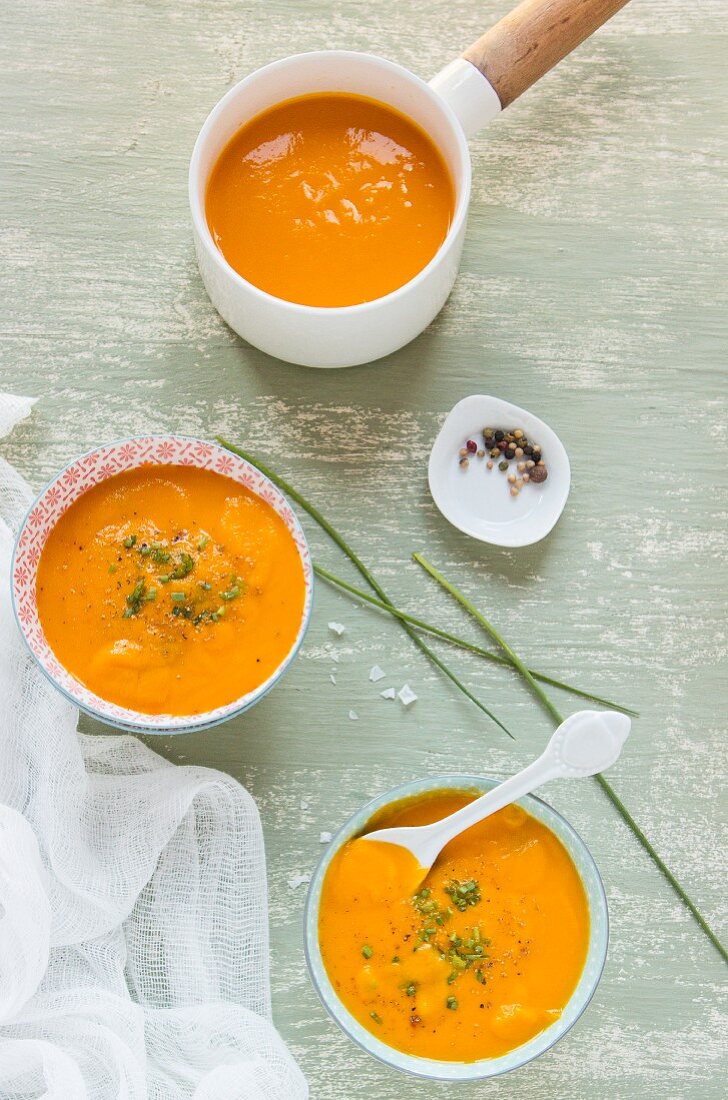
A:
[329,196]
[480,967]
[162,583]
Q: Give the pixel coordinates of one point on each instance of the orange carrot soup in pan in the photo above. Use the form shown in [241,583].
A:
[479,957]
[329,200]
[170,590]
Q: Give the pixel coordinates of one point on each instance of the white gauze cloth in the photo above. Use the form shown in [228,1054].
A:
[133,912]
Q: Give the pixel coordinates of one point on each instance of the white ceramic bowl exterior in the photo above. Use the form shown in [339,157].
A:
[73,482]
[478,501]
[345,336]
[539,1044]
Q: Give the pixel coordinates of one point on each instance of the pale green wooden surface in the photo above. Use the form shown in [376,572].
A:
[593,292]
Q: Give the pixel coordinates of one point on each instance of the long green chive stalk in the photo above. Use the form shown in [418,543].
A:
[359,564]
[558,718]
[452,639]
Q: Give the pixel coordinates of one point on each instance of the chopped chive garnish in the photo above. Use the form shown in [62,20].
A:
[165,578]
[112,568]
[217,614]
[186,565]
[136,594]
[231,594]
[463,894]
[452,1003]
[376,1017]
[151,594]
[410,988]
[203,542]
[157,554]
[178,597]
[367,951]
[134,599]
[204,585]
[396,959]
[129,541]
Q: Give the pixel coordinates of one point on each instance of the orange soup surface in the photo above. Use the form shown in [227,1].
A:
[471,962]
[170,590]
[329,200]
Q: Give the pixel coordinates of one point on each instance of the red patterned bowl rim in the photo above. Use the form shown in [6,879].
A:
[72,482]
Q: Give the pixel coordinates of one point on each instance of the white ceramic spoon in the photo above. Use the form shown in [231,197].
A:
[586,743]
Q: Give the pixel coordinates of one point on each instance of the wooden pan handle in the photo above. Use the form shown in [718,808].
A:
[514,53]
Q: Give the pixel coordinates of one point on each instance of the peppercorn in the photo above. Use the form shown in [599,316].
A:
[539,474]
[481,454]
[489,464]
[495,453]
[502,466]
[499,435]
[502,445]
[464,462]
[509,453]
[472,446]
[519,452]
[511,478]
[518,433]
[527,449]
[514,491]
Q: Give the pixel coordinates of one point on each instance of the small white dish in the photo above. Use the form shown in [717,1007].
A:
[477,500]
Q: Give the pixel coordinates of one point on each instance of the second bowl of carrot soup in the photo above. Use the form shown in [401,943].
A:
[162,583]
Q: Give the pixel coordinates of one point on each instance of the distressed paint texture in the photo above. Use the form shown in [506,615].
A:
[593,291]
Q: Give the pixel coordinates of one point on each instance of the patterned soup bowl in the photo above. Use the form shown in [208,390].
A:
[80,476]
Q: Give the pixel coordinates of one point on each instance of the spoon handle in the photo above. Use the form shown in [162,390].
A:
[510,790]
[529,41]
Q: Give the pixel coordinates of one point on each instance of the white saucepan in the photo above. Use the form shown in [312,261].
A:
[456,103]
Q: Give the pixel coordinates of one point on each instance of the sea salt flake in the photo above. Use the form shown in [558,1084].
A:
[304,804]
[325,838]
[388,693]
[337,629]
[332,677]
[407,695]
[298,880]
[353,715]
[376,674]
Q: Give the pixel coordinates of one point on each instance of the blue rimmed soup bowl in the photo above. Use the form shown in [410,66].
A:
[487,1067]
